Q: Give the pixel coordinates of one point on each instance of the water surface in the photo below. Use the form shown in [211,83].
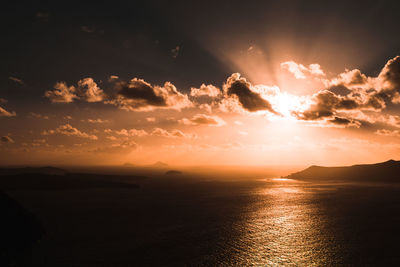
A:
[210,222]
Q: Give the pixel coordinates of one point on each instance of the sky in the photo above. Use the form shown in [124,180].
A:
[258,83]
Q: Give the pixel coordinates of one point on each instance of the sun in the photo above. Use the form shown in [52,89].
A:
[286,104]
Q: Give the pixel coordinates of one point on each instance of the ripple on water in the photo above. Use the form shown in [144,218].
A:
[284,226]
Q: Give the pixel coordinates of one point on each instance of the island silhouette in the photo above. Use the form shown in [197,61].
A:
[388,171]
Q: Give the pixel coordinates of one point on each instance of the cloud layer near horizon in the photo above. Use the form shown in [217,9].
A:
[209,118]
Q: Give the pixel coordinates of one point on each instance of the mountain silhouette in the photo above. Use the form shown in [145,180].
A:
[388,171]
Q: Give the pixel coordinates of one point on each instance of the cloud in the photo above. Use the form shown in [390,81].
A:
[350,79]
[345,122]
[2,100]
[175,51]
[96,121]
[131,132]
[242,89]
[62,93]
[386,132]
[203,119]
[325,104]
[376,91]
[169,134]
[352,91]
[39,142]
[113,77]
[390,80]
[87,90]
[205,90]
[16,80]
[139,95]
[5,113]
[343,96]
[38,116]
[7,139]
[123,147]
[300,71]
[67,129]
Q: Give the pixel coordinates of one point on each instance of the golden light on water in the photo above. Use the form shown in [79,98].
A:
[285,227]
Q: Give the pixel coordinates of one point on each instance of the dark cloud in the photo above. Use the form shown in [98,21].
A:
[375,91]
[141,95]
[142,92]
[345,122]
[354,91]
[339,90]
[325,104]
[390,79]
[250,100]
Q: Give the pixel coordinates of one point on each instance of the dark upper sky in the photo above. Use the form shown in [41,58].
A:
[46,42]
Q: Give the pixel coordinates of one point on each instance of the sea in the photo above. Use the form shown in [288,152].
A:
[179,221]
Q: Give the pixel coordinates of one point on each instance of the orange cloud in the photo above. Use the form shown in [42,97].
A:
[5,113]
[386,132]
[87,90]
[300,71]
[62,93]
[169,134]
[203,119]
[205,90]
[131,132]
[90,91]
[67,129]
[39,116]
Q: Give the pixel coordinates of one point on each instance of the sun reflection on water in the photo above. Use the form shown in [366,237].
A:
[284,227]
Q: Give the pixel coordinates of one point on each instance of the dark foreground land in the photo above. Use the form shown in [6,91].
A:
[179,220]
